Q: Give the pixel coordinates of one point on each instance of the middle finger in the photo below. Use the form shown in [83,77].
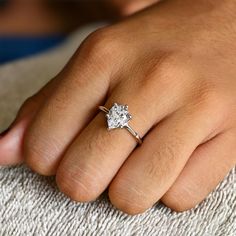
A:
[54,126]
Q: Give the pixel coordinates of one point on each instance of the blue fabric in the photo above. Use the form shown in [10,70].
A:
[12,48]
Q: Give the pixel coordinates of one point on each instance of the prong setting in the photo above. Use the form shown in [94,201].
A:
[118,116]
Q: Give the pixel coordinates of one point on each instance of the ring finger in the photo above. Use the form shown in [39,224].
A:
[96,155]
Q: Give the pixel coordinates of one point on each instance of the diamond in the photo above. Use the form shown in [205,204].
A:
[118,116]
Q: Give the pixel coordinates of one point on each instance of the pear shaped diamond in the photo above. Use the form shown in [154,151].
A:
[118,116]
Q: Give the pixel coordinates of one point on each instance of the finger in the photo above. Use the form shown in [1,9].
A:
[69,108]
[127,7]
[152,169]
[205,169]
[96,155]
[11,142]
[135,6]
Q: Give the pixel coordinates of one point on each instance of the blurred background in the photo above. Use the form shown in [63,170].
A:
[28,27]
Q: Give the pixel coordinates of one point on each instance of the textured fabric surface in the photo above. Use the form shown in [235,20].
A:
[32,205]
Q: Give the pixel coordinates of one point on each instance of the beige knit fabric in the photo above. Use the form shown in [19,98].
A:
[32,205]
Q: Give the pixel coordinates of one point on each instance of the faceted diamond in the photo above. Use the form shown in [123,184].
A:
[118,116]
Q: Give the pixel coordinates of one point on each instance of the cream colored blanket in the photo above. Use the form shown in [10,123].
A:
[32,205]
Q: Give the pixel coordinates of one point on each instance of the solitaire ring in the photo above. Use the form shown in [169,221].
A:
[118,117]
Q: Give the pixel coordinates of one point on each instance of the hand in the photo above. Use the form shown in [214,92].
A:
[127,7]
[174,65]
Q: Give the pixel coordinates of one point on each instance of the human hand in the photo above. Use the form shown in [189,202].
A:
[127,7]
[173,64]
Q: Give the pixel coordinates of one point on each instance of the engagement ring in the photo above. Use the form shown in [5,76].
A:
[118,117]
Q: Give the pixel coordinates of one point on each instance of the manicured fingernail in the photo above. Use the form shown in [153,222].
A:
[4,132]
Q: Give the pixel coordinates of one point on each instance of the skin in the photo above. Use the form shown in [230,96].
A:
[174,65]
[42,17]
[127,7]
[47,17]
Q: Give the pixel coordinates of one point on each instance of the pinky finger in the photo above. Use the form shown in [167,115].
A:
[206,168]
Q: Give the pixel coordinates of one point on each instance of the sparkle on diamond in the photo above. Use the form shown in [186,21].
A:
[118,116]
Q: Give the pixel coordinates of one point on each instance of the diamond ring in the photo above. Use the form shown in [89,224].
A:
[118,117]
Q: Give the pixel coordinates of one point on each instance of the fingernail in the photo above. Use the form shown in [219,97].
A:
[4,132]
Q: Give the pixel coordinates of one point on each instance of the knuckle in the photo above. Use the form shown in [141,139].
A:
[210,94]
[30,101]
[61,100]
[72,184]
[98,143]
[167,152]
[166,71]
[209,97]
[170,67]
[101,45]
[28,106]
[39,155]
[212,100]
[151,169]
[158,68]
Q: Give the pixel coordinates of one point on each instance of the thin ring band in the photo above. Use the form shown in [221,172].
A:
[126,126]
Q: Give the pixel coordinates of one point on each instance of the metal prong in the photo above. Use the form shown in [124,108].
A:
[104,109]
[135,134]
